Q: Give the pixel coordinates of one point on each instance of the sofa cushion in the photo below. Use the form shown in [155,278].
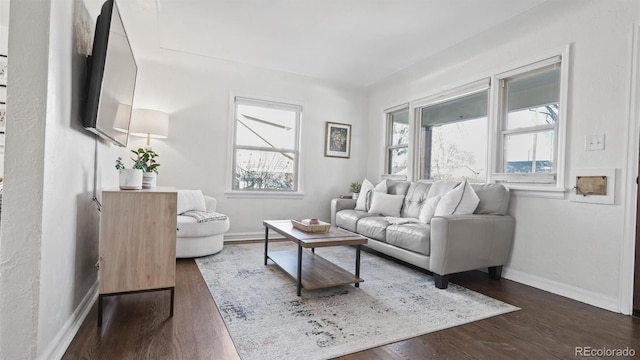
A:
[386,204]
[397,187]
[428,210]
[413,237]
[462,200]
[374,227]
[415,199]
[348,219]
[494,199]
[190,200]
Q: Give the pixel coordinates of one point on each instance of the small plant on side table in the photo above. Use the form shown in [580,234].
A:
[129,179]
[355,189]
[146,161]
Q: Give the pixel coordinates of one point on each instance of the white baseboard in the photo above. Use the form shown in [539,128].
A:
[558,288]
[61,342]
[258,235]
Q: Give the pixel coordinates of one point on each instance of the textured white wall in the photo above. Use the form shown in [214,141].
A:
[562,246]
[50,226]
[23,186]
[196,93]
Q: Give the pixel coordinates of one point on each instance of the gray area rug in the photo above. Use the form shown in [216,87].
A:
[267,320]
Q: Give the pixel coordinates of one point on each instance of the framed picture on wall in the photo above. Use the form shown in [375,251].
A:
[337,142]
[3,70]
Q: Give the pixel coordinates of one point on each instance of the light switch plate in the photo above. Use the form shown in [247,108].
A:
[594,142]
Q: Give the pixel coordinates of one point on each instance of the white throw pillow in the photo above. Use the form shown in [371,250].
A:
[429,209]
[190,200]
[461,201]
[364,200]
[380,187]
[386,204]
[361,203]
[441,187]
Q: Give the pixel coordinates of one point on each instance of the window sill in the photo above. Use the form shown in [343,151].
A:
[263,195]
[546,192]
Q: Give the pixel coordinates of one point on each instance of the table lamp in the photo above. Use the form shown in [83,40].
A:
[150,124]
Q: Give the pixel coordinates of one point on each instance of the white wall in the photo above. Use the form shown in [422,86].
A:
[565,247]
[22,195]
[4,37]
[50,226]
[4,26]
[196,92]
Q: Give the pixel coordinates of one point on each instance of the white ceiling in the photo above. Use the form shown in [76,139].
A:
[354,41]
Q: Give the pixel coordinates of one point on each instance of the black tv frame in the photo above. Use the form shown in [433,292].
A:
[95,72]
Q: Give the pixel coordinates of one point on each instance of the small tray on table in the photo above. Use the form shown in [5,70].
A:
[311,225]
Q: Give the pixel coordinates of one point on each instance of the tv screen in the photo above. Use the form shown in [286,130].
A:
[111,78]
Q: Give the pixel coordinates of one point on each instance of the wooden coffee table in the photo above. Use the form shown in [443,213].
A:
[311,271]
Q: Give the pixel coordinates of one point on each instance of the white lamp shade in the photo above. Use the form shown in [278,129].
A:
[149,123]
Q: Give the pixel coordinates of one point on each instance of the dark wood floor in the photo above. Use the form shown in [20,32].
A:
[548,327]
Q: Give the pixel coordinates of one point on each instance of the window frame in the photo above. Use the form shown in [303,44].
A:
[456,92]
[280,104]
[389,113]
[531,181]
[534,184]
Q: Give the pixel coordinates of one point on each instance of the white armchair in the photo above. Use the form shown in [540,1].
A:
[194,239]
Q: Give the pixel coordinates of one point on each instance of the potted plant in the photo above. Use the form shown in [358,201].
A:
[145,161]
[355,189]
[130,179]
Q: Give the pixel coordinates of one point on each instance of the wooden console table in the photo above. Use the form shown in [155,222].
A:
[137,242]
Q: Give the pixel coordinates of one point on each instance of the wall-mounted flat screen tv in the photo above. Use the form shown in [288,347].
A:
[111,78]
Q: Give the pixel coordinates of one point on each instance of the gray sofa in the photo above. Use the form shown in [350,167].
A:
[450,243]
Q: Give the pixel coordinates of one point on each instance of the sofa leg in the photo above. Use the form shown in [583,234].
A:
[442,281]
[495,272]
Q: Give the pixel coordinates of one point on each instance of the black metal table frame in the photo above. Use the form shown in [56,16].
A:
[102,296]
[313,250]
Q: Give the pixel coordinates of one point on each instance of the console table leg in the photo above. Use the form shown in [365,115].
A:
[358,263]
[299,269]
[99,310]
[172,297]
[266,243]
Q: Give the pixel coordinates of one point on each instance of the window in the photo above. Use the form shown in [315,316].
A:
[452,139]
[266,145]
[397,140]
[529,118]
[508,128]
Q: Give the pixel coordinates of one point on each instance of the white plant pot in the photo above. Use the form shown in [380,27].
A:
[354,196]
[148,180]
[130,179]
